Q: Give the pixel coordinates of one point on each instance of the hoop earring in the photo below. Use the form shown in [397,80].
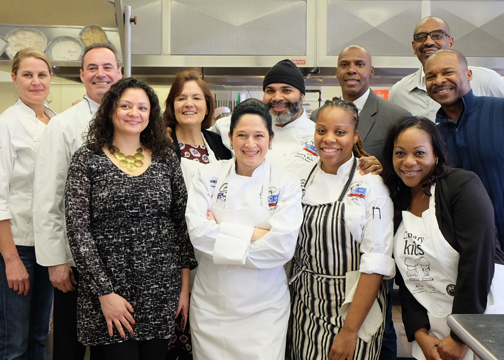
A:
[271,147]
[49,101]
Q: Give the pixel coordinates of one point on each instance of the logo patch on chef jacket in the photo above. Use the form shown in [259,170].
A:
[221,195]
[213,183]
[359,192]
[311,149]
[272,197]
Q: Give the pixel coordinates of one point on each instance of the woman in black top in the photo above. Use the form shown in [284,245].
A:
[446,251]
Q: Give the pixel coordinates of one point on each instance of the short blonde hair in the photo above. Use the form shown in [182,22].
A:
[28,53]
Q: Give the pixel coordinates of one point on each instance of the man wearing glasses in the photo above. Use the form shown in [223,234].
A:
[430,35]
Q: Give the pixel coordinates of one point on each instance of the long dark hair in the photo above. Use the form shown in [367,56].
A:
[399,192]
[101,128]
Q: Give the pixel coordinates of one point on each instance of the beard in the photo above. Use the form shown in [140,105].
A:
[293,110]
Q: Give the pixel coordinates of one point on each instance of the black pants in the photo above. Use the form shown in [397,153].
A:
[66,346]
[136,350]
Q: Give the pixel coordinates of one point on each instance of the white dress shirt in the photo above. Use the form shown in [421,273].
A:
[62,138]
[20,133]
[360,102]
[410,92]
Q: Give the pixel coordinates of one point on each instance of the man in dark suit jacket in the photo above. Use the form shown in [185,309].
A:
[376,115]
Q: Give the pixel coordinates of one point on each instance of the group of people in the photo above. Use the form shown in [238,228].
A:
[265,236]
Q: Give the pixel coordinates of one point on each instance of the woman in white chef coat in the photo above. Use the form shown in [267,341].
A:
[25,289]
[189,112]
[344,249]
[244,216]
[445,245]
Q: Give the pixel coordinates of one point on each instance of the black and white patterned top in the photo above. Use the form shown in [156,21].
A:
[128,235]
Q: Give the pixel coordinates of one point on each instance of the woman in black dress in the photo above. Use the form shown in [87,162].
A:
[126,227]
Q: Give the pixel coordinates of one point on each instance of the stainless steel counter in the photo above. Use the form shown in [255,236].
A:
[484,334]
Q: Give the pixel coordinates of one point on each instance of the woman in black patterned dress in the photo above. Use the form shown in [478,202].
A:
[126,227]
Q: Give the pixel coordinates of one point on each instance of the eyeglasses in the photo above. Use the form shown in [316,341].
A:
[435,35]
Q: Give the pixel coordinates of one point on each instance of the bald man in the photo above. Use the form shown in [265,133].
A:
[430,35]
[376,115]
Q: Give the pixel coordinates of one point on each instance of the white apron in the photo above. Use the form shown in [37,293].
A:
[429,267]
[237,312]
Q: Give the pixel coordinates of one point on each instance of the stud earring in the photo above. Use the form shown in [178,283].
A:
[231,147]
[271,147]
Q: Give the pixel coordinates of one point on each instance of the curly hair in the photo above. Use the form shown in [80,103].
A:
[101,127]
[348,106]
[176,89]
[399,192]
[251,106]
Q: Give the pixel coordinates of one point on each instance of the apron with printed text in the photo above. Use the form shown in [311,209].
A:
[326,253]
[237,312]
[429,267]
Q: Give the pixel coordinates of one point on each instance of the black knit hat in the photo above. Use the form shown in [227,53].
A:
[285,72]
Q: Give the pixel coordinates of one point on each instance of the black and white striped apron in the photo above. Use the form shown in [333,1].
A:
[325,252]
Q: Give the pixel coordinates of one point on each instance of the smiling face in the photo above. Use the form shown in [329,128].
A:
[99,72]
[131,116]
[250,141]
[285,102]
[33,80]
[447,81]
[335,136]
[190,105]
[413,158]
[354,71]
[424,49]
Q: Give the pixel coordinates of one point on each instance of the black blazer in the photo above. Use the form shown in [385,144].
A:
[465,216]
[214,142]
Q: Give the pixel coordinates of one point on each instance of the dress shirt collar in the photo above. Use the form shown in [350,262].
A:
[360,102]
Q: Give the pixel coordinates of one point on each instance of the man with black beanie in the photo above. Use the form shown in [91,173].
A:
[284,92]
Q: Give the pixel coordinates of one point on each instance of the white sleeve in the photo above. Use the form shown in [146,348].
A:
[277,247]
[377,235]
[495,85]
[51,167]
[229,244]
[7,155]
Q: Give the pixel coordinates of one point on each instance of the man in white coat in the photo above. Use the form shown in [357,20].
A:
[63,136]
[284,92]
[432,34]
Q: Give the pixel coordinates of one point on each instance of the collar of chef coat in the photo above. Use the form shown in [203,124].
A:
[93,106]
[343,170]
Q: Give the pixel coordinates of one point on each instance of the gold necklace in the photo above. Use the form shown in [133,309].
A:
[130,162]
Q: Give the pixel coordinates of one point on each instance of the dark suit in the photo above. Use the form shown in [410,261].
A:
[375,120]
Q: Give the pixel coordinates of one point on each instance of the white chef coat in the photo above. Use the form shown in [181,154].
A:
[368,212]
[63,137]
[241,286]
[428,265]
[411,94]
[292,147]
[20,133]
